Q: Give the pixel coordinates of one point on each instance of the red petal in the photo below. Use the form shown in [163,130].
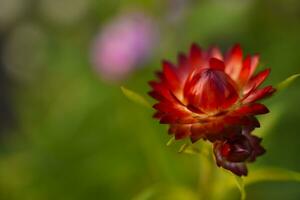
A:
[257,80]
[165,107]
[254,122]
[175,111]
[170,75]
[182,60]
[239,168]
[176,118]
[259,94]
[186,120]
[184,68]
[207,130]
[211,91]
[245,71]
[216,64]
[172,129]
[198,131]
[232,120]
[182,131]
[156,96]
[254,63]
[168,119]
[190,84]
[158,115]
[162,90]
[233,62]
[195,56]
[214,52]
[194,109]
[252,109]
[238,121]
[159,75]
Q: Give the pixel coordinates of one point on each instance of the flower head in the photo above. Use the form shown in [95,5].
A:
[234,152]
[212,96]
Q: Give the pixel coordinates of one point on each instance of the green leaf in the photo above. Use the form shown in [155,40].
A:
[287,82]
[135,97]
[190,149]
[272,174]
[183,148]
[260,175]
[171,141]
[241,186]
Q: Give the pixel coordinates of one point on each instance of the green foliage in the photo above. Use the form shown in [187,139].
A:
[135,97]
[272,174]
[284,84]
[241,186]
[261,174]
[171,141]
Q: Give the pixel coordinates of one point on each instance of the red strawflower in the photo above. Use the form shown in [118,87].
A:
[208,95]
[234,152]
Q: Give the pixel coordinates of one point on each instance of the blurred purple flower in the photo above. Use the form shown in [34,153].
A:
[125,42]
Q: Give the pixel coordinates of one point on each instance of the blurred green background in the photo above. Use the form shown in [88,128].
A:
[69,133]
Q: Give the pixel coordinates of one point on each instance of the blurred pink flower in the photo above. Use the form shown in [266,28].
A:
[125,42]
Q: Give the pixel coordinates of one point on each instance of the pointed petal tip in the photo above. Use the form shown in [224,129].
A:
[179,136]
[268,70]
[260,94]
[157,115]
[193,140]
[181,56]
[151,93]
[237,46]
[216,64]
[195,45]
[237,50]
[166,62]
[152,83]
[195,48]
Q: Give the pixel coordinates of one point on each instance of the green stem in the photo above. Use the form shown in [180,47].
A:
[206,175]
[240,184]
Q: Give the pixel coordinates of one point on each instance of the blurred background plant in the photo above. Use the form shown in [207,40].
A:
[67,132]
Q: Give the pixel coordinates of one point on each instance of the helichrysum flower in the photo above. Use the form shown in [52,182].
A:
[212,96]
[234,152]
